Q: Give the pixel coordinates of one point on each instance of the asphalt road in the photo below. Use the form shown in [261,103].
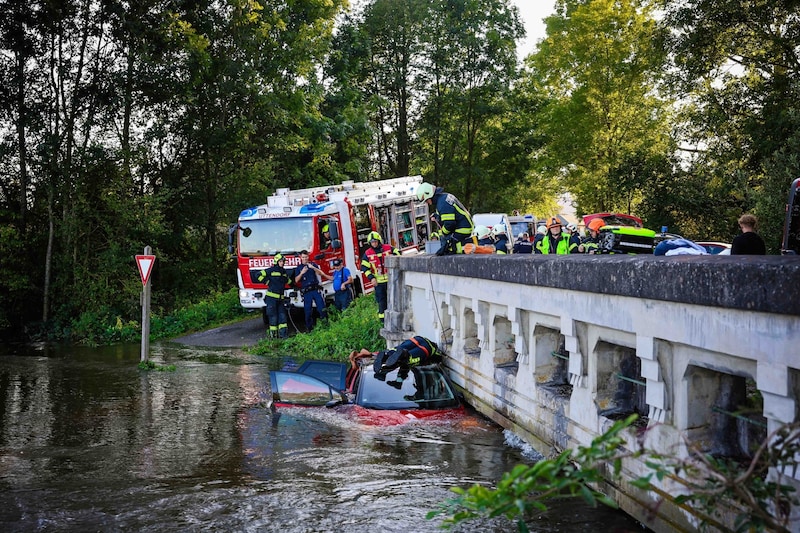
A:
[238,335]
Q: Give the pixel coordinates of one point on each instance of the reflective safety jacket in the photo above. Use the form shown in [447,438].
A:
[276,279]
[373,263]
[452,215]
[549,245]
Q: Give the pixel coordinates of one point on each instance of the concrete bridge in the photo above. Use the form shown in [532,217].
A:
[555,348]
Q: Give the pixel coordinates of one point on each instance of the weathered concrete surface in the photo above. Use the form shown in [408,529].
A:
[770,284]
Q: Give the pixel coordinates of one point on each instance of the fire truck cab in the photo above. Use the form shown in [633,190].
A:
[330,222]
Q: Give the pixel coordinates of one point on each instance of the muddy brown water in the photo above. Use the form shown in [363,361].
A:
[88,442]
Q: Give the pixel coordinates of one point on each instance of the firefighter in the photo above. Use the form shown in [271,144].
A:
[276,279]
[484,235]
[307,278]
[591,245]
[416,351]
[555,241]
[325,241]
[454,219]
[373,264]
[541,231]
[500,239]
[574,237]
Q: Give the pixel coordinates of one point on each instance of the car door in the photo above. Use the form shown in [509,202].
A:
[295,388]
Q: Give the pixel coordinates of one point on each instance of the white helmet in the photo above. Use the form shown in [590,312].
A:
[425,191]
[481,232]
[498,229]
[571,227]
[541,230]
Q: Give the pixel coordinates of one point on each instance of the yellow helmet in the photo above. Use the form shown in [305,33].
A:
[279,257]
[374,236]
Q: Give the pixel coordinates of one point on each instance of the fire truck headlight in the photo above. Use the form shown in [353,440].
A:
[243,294]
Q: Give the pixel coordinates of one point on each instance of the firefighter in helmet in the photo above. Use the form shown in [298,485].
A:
[500,239]
[276,278]
[554,241]
[591,245]
[453,217]
[373,264]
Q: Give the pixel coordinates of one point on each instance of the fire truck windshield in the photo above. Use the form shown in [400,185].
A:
[272,235]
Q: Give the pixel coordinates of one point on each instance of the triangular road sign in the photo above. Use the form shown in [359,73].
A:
[145,264]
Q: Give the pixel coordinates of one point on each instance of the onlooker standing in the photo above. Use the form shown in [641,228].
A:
[307,277]
[749,242]
[342,285]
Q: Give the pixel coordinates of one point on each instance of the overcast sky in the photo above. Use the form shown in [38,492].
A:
[532,12]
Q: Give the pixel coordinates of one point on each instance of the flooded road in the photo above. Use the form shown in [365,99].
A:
[88,442]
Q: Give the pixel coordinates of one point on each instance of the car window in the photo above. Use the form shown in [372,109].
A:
[424,388]
[299,389]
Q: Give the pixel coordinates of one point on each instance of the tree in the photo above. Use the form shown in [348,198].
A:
[738,64]
[600,67]
[470,66]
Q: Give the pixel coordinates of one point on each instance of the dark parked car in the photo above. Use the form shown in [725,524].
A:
[426,392]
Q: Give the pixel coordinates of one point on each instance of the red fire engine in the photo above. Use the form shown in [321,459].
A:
[295,220]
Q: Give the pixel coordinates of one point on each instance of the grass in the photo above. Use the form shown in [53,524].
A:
[333,339]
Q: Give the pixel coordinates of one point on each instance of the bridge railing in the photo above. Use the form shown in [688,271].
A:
[705,349]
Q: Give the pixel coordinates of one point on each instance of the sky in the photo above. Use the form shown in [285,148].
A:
[532,12]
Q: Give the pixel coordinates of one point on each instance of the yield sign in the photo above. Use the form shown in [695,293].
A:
[145,264]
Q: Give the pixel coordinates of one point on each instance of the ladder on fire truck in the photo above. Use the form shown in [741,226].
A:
[366,192]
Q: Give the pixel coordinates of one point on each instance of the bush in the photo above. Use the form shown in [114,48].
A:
[333,339]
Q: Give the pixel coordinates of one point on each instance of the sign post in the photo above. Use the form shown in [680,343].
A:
[145,263]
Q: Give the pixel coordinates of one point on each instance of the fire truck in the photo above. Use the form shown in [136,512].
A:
[331,222]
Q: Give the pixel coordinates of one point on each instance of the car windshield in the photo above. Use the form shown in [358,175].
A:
[425,388]
[272,235]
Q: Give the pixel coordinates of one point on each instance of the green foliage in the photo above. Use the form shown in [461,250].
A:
[355,328]
[105,327]
[523,491]
[712,485]
[602,120]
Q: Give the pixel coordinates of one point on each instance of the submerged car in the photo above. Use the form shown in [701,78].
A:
[383,399]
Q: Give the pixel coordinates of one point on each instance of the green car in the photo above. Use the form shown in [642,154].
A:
[626,240]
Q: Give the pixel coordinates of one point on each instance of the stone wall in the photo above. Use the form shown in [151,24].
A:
[557,348]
